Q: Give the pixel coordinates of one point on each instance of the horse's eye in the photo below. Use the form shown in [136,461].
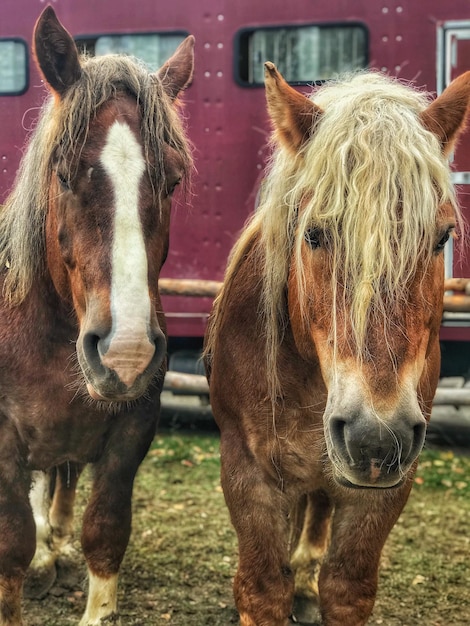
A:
[172,186]
[313,237]
[63,181]
[442,241]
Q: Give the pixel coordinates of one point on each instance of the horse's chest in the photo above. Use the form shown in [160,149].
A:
[53,431]
[302,464]
[51,418]
[43,454]
[292,449]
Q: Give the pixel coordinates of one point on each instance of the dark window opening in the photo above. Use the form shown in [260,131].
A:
[151,48]
[13,67]
[303,54]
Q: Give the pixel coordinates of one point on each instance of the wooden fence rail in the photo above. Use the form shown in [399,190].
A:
[189,383]
[197,385]
[189,287]
[453,397]
[458,301]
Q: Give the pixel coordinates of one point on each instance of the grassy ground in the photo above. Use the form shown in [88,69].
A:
[182,555]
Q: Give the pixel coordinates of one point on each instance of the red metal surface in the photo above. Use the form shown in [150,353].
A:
[227,123]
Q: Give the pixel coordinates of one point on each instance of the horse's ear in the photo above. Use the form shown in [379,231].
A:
[55,52]
[447,115]
[177,72]
[294,116]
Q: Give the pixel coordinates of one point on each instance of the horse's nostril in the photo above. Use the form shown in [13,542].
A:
[419,434]
[92,352]
[91,342]
[337,430]
[160,345]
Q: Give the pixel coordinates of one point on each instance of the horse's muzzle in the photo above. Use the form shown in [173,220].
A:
[368,452]
[122,371]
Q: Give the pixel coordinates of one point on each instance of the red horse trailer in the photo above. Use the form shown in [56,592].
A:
[427,43]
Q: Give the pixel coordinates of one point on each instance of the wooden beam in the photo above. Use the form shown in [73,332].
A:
[189,287]
[458,303]
[194,384]
[457,284]
[195,288]
[455,397]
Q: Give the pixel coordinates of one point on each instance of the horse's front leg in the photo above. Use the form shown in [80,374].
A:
[105,534]
[17,543]
[264,582]
[107,520]
[17,530]
[349,574]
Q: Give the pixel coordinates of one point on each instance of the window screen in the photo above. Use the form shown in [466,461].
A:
[151,48]
[13,66]
[303,54]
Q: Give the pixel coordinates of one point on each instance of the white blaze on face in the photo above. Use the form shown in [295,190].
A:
[130,350]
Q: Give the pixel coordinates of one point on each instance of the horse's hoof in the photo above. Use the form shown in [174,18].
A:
[295,622]
[113,619]
[306,612]
[39,581]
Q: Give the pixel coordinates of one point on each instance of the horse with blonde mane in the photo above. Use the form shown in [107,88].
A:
[322,350]
[83,237]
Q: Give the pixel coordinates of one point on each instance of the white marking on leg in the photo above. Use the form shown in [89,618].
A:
[130,350]
[102,600]
[39,497]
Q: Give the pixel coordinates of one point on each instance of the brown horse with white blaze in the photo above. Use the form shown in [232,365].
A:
[322,350]
[83,237]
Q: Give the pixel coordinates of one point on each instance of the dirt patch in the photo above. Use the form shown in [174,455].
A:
[182,556]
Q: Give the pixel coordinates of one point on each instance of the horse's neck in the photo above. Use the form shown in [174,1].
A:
[44,302]
[239,311]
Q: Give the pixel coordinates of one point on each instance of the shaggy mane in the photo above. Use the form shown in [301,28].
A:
[371,179]
[22,219]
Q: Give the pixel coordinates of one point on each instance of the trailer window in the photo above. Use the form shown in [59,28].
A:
[303,54]
[13,67]
[151,48]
